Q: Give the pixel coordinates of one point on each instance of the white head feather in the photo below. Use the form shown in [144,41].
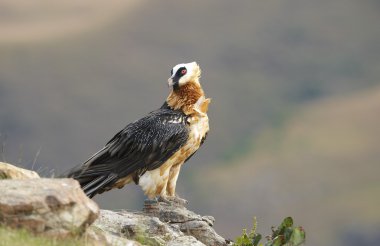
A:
[193,73]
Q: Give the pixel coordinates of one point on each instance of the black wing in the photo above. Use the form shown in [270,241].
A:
[142,145]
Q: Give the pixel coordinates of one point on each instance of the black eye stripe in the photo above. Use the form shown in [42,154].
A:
[179,72]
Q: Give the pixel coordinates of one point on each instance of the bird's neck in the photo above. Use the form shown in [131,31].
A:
[185,97]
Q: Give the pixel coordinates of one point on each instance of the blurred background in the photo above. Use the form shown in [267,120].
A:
[295,116]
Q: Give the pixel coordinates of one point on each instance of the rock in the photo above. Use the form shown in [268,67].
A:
[56,207]
[185,240]
[8,171]
[97,237]
[113,240]
[203,232]
[59,208]
[189,222]
[160,224]
[136,226]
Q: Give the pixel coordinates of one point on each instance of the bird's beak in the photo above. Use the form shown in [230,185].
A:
[170,82]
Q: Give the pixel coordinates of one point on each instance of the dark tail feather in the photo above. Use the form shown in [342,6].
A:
[98,185]
[91,183]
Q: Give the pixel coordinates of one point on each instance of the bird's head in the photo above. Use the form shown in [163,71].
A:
[184,73]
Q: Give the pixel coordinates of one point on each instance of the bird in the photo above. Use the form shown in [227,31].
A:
[151,151]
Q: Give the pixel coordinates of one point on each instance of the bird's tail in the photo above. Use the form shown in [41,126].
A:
[91,183]
[99,184]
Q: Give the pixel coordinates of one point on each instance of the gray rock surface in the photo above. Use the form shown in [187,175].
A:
[97,237]
[160,224]
[56,207]
[184,240]
[59,208]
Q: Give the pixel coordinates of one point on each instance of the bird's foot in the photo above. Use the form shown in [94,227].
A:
[151,201]
[151,206]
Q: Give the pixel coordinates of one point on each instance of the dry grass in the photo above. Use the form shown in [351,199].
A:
[12,237]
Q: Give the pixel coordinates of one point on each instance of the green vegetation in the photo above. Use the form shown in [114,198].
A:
[21,237]
[285,234]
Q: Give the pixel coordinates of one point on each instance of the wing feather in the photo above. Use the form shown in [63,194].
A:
[142,145]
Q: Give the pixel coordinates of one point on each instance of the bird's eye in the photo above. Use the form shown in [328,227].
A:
[171,72]
[183,71]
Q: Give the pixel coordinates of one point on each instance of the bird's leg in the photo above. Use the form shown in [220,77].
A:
[172,181]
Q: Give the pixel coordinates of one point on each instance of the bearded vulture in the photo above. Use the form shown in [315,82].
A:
[151,150]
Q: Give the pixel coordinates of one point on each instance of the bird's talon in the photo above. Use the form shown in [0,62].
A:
[151,201]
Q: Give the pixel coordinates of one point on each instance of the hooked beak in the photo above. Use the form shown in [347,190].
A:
[170,82]
[173,82]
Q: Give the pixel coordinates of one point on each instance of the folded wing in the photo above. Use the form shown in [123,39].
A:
[142,145]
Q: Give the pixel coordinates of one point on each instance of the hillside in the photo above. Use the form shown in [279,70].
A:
[259,61]
[73,74]
[322,166]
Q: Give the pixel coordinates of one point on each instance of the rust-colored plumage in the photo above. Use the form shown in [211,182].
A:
[185,97]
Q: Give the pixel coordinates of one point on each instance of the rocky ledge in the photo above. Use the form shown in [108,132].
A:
[59,208]
[161,223]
